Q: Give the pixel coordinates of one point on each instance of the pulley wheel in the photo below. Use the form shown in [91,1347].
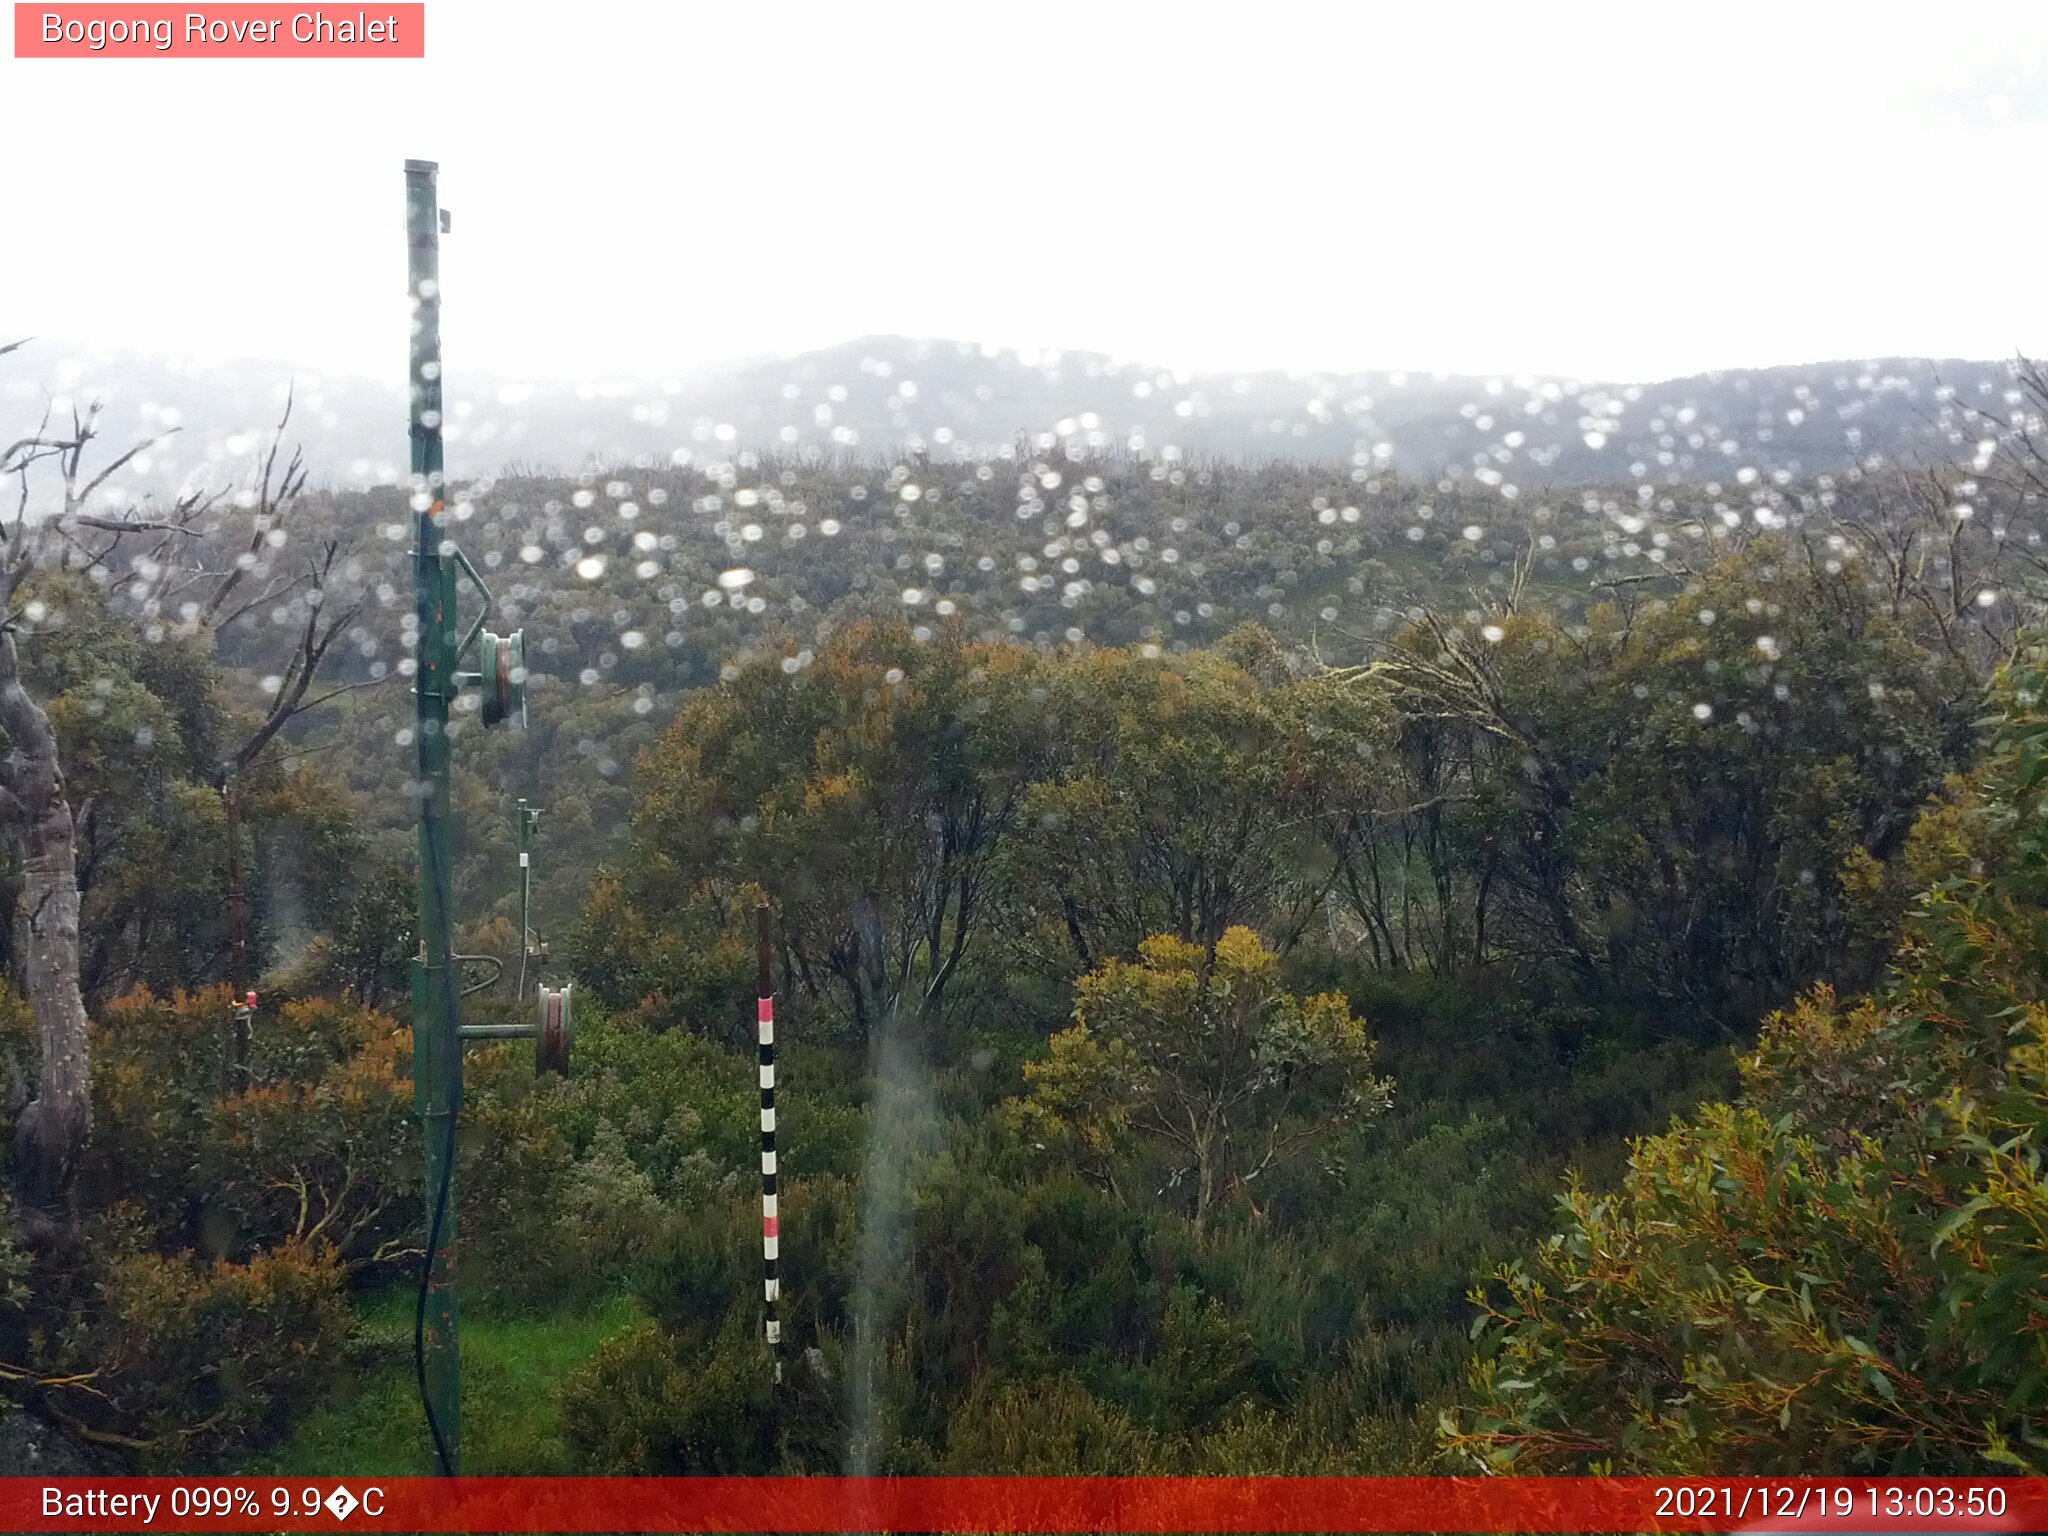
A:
[556,1032]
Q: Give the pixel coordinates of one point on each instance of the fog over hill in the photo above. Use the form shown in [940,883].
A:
[886,395]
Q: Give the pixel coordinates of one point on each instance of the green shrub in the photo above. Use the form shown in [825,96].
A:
[575,1187]
[1843,1272]
[1050,1427]
[333,1159]
[640,1408]
[185,1360]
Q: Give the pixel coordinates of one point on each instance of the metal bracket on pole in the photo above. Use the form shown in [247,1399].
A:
[462,564]
[502,673]
[553,1032]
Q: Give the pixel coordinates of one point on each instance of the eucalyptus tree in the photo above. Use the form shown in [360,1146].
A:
[868,789]
[55,527]
[261,577]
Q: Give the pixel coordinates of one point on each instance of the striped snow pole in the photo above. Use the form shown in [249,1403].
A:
[771,1326]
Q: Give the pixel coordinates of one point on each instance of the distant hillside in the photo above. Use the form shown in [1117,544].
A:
[882,395]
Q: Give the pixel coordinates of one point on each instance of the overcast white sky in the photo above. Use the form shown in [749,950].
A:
[1618,191]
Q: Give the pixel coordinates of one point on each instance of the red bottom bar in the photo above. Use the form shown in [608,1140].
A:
[1025,1504]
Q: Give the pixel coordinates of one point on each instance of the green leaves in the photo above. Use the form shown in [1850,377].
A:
[1697,805]
[1877,1210]
[1204,1053]
[867,794]
[1956,1220]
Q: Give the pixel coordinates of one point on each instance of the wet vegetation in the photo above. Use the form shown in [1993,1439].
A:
[1283,967]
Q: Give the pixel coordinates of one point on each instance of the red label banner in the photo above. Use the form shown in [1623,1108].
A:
[1026,1504]
[227,31]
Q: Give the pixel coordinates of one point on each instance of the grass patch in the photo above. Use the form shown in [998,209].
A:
[512,1371]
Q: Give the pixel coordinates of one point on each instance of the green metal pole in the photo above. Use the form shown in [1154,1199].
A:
[526,820]
[437,1048]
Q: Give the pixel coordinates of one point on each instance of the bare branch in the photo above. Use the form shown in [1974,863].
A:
[104,475]
[367,682]
[274,497]
[123,525]
[268,595]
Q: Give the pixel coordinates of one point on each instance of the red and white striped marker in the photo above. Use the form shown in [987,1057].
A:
[771,1225]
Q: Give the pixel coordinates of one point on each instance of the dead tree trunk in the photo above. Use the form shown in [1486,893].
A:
[52,1130]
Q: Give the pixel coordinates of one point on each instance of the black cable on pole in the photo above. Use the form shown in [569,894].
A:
[419,1321]
[438,1217]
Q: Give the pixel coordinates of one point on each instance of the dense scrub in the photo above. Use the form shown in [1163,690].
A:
[1194,972]
[1842,1269]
